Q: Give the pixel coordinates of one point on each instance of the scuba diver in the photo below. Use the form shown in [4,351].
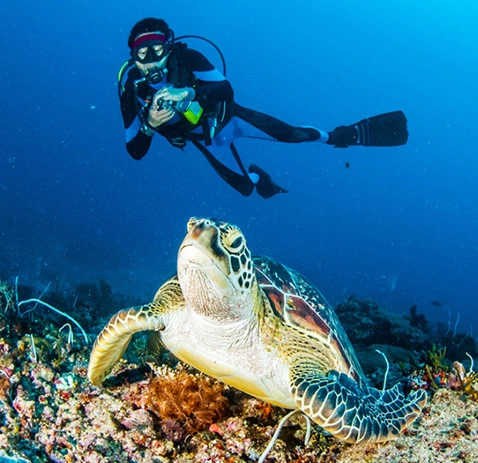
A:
[170,89]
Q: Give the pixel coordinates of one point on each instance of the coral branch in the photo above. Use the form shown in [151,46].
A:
[38,301]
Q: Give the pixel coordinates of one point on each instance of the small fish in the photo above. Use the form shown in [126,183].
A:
[436,303]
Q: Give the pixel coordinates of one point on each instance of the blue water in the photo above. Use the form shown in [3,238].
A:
[399,226]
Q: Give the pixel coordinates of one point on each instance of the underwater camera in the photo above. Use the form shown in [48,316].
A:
[165,104]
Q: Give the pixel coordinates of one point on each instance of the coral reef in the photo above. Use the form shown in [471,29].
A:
[406,339]
[185,402]
[367,323]
[152,413]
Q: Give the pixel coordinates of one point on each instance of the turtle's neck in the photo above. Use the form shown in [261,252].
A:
[224,304]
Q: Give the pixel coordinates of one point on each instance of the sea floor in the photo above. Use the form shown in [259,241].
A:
[146,412]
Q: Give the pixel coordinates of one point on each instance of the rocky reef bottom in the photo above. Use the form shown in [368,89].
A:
[153,409]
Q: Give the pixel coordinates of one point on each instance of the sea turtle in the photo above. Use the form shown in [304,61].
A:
[263,328]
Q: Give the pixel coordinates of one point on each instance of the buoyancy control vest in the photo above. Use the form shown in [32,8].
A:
[212,118]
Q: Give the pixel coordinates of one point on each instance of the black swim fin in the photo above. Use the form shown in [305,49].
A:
[265,186]
[241,183]
[389,129]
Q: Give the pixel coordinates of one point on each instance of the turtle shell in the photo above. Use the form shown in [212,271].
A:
[297,301]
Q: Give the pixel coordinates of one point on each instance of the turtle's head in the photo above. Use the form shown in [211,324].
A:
[215,267]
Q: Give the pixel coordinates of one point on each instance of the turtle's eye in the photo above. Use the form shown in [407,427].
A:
[234,243]
[237,243]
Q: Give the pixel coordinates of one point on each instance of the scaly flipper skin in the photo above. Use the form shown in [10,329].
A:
[113,340]
[356,413]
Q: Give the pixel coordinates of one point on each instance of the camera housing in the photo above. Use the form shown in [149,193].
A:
[164,104]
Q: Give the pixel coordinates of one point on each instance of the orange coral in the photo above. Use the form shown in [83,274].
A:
[5,387]
[196,401]
[265,410]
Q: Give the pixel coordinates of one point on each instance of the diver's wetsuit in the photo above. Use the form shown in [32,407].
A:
[222,122]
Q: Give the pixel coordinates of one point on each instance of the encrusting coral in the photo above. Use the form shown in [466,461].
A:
[182,399]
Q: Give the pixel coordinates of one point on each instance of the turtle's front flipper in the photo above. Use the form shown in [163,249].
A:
[116,335]
[356,413]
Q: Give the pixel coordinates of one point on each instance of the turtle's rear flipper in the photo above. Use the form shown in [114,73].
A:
[111,343]
[356,413]
[265,186]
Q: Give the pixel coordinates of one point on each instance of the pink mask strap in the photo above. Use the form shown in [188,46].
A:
[147,38]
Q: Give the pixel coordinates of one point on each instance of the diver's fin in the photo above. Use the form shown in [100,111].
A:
[265,186]
[389,129]
[241,183]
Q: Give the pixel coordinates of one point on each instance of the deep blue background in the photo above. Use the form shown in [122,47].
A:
[399,226]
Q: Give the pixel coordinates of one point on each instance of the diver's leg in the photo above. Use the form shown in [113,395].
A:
[275,129]
[223,144]
[389,129]
[266,128]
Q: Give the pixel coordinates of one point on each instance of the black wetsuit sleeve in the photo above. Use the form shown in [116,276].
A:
[137,143]
[211,86]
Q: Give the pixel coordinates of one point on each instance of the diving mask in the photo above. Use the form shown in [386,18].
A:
[150,52]
[150,48]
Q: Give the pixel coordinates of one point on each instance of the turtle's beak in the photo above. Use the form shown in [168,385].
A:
[191,255]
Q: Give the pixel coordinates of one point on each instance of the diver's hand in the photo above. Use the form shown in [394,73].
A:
[158,116]
[173,94]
